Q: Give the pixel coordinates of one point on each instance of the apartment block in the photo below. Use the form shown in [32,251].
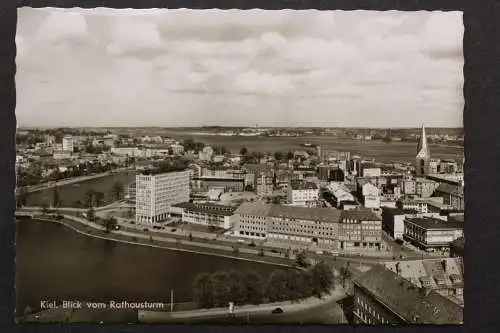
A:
[155,193]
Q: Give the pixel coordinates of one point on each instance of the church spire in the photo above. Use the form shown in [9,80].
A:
[423,155]
[422,143]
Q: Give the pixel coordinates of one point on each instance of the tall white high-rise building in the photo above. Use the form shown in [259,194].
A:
[67,143]
[155,193]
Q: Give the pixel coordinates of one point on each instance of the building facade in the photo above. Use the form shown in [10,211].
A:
[382,297]
[302,193]
[264,184]
[208,214]
[429,233]
[155,193]
[67,144]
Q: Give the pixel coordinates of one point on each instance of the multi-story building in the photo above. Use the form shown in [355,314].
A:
[130,192]
[208,214]
[443,275]
[393,221]
[67,144]
[264,184]
[371,196]
[457,248]
[326,228]
[360,229]
[424,188]
[301,193]
[228,184]
[381,296]
[429,233]
[156,192]
[452,195]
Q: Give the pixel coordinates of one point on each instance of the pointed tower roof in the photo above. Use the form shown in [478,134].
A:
[422,148]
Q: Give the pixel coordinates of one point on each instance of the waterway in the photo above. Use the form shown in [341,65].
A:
[70,193]
[55,263]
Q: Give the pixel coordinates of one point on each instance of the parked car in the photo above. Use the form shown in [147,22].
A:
[174,230]
[277,310]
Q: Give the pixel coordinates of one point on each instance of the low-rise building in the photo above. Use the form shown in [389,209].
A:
[430,233]
[443,275]
[393,221]
[208,214]
[302,193]
[371,196]
[381,296]
[264,184]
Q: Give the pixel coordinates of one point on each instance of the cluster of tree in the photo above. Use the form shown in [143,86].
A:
[190,144]
[171,165]
[93,198]
[28,139]
[220,150]
[220,288]
[110,223]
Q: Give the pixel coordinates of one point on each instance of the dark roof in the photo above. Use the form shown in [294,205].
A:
[154,172]
[359,215]
[208,208]
[398,211]
[253,208]
[209,178]
[458,243]
[446,188]
[456,218]
[435,223]
[303,186]
[322,214]
[408,301]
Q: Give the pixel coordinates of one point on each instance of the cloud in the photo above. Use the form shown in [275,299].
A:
[62,25]
[298,66]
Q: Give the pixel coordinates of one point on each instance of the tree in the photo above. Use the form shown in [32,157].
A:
[289,155]
[117,190]
[22,197]
[221,289]
[253,288]
[56,200]
[278,156]
[236,287]
[322,279]
[110,223]
[296,285]
[203,290]
[89,198]
[98,198]
[244,151]
[275,287]
[301,259]
[345,275]
[130,213]
[91,214]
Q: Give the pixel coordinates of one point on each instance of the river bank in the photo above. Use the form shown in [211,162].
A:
[86,228]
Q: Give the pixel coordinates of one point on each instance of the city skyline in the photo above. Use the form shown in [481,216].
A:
[184,68]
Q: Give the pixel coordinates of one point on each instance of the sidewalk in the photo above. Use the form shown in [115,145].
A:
[288,307]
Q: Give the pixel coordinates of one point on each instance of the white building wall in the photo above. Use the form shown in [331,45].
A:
[156,193]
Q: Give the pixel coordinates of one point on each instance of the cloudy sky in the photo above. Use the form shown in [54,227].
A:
[107,67]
